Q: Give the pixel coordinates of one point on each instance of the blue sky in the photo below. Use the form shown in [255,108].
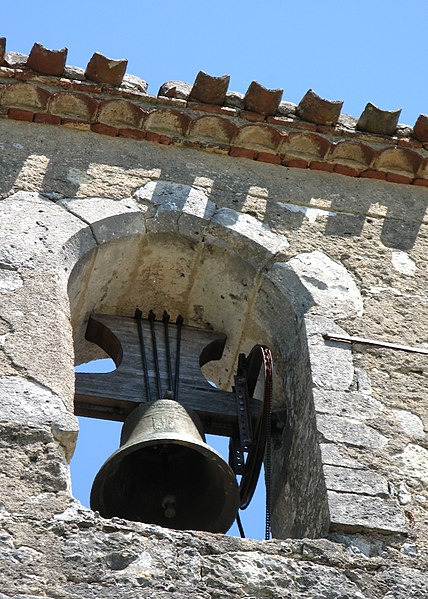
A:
[371,50]
[353,51]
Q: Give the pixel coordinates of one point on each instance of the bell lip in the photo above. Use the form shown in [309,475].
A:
[231,485]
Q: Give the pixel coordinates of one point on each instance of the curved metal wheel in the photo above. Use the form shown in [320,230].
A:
[259,362]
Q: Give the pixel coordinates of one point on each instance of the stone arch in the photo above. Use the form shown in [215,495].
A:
[286,303]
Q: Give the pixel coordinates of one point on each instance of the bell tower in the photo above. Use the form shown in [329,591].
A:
[261,224]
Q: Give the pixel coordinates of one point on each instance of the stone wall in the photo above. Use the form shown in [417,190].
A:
[106,226]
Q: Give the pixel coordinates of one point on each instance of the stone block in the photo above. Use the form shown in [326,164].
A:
[262,100]
[24,216]
[347,403]
[338,455]
[241,232]
[27,403]
[350,432]
[413,463]
[317,110]
[410,423]
[45,61]
[360,513]
[106,70]
[134,84]
[333,289]
[175,207]
[109,219]
[10,280]
[15,60]
[350,480]
[208,89]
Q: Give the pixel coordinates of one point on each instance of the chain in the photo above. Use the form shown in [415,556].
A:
[268,367]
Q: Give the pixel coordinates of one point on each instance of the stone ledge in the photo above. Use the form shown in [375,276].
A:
[357,513]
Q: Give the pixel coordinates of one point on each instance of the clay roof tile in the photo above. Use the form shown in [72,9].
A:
[208,89]
[2,49]
[317,110]
[45,61]
[262,100]
[106,70]
[375,120]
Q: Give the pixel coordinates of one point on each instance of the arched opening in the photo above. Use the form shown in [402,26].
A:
[213,287]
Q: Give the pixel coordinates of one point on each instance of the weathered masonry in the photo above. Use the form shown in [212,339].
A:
[271,223]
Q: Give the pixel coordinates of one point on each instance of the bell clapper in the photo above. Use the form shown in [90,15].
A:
[169,501]
[168,504]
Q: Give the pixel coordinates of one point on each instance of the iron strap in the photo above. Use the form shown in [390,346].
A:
[138,315]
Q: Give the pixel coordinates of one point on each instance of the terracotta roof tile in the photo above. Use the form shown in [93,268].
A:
[375,120]
[2,49]
[106,70]
[262,100]
[317,110]
[209,90]
[314,134]
[420,130]
[48,62]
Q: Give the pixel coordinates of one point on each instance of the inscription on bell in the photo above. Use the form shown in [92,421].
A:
[163,423]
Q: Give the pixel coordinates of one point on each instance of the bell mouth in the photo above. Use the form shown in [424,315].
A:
[169,478]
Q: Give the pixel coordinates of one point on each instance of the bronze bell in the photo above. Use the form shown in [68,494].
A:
[164,473]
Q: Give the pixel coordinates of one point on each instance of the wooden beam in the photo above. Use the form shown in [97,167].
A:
[113,395]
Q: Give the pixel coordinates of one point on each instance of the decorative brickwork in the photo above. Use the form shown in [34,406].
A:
[117,106]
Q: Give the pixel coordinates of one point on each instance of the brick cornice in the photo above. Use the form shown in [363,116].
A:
[256,126]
